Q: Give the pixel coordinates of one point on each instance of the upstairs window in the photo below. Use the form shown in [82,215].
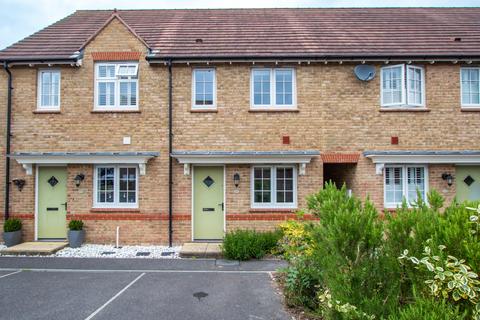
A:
[116,86]
[404,182]
[402,86]
[203,94]
[49,90]
[274,187]
[470,87]
[273,88]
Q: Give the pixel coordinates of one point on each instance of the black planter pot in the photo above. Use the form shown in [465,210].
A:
[76,238]
[12,238]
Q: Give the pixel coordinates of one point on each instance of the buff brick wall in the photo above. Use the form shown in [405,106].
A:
[336,113]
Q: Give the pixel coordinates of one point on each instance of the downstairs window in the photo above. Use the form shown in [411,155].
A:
[116,186]
[274,187]
[404,182]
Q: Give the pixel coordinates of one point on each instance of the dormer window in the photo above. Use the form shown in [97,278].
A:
[116,86]
[403,86]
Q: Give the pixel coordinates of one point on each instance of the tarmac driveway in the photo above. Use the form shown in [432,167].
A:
[63,288]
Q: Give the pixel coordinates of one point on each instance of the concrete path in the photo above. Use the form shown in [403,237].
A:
[34,248]
[74,288]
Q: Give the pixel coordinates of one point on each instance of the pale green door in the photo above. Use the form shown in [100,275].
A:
[52,202]
[468,183]
[208,206]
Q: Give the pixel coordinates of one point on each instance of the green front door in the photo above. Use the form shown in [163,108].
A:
[468,183]
[52,202]
[208,206]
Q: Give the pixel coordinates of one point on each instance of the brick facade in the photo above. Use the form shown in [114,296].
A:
[336,113]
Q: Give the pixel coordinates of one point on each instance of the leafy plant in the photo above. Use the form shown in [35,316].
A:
[248,244]
[452,280]
[297,239]
[428,309]
[12,225]
[75,225]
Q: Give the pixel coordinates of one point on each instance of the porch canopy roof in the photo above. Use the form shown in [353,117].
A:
[28,159]
[239,157]
[380,158]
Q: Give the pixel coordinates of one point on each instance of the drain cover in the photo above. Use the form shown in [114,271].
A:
[142,254]
[167,253]
[200,295]
[226,263]
[106,253]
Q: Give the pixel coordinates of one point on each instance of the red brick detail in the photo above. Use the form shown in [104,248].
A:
[286,139]
[26,216]
[127,216]
[116,56]
[394,140]
[122,210]
[268,217]
[331,157]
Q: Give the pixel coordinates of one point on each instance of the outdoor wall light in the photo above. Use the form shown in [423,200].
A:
[19,183]
[78,179]
[447,177]
[236,179]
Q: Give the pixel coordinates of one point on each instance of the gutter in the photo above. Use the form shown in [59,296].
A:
[9,135]
[170,158]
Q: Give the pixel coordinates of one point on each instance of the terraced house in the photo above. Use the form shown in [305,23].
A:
[180,125]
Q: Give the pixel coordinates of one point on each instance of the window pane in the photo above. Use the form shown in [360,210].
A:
[123,93]
[283,86]
[261,87]
[262,185]
[204,87]
[393,185]
[127,185]
[416,183]
[105,185]
[284,185]
[392,85]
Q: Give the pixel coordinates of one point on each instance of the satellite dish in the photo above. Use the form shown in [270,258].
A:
[364,72]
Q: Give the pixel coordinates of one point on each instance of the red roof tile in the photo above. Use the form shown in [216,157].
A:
[386,32]
[116,56]
[331,157]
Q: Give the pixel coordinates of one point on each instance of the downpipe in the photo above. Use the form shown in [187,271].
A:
[8,140]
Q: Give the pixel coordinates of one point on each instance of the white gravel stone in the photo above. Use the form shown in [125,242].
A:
[96,250]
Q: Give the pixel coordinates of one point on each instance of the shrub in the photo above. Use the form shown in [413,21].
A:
[12,224]
[75,225]
[297,239]
[248,244]
[428,309]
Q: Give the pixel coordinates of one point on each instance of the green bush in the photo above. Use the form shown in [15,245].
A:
[12,224]
[248,244]
[347,265]
[75,225]
[428,309]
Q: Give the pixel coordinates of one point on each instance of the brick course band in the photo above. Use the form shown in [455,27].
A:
[116,56]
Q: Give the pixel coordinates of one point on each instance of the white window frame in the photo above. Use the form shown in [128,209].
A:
[273,96]
[39,90]
[273,188]
[116,187]
[214,90]
[117,81]
[392,205]
[405,82]
[468,105]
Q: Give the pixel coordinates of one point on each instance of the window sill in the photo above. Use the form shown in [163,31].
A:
[47,111]
[269,210]
[470,109]
[114,210]
[272,110]
[115,111]
[203,111]
[384,109]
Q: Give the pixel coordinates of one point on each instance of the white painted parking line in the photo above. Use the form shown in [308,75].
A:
[143,271]
[114,297]
[9,274]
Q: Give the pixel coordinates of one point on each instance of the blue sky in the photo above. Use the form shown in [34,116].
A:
[20,18]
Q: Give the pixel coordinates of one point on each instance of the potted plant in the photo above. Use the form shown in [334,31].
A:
[12,232]
[76,234]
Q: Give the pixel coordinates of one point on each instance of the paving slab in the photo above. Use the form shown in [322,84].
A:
[201,250]
[34,248]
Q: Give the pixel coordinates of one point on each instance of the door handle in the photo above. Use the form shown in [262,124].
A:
[221,204]
[64,204]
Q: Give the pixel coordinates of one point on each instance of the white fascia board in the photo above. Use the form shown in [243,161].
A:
[425,159]
[241,159]
[53,159]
